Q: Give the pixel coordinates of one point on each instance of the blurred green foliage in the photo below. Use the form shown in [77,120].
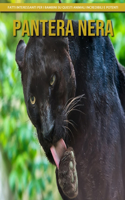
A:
[30,171]
[30,174]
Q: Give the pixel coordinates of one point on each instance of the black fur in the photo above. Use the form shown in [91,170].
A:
[99,139]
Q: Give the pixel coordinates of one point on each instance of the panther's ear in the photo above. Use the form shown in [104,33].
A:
[20,53]
[59,15]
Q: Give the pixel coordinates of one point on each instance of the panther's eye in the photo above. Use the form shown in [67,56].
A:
[32,100]
[52,80]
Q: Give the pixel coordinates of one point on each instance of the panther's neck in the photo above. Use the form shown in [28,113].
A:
[121,84]
[90,56]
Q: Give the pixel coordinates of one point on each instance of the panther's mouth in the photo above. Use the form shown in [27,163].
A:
[53,141]
[58,151]
[57,148]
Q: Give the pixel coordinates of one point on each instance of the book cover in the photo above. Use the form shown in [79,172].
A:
[62,100]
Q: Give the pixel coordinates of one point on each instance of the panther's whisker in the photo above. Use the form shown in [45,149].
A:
[78,98]
[69,130]
[71,124]
[66,131]
[75,110]
[74,99]
[73,102]
[67,102]
[70,106]
[73,107]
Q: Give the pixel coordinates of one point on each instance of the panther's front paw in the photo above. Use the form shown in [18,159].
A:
[67,174]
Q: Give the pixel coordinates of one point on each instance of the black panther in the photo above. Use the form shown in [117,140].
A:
[74,90]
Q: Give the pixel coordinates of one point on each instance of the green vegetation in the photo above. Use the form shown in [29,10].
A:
[31,176]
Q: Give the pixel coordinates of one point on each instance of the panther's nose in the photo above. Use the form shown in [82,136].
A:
[47,121]
[48,134]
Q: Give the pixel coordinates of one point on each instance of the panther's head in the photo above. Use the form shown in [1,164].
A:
[48,80]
